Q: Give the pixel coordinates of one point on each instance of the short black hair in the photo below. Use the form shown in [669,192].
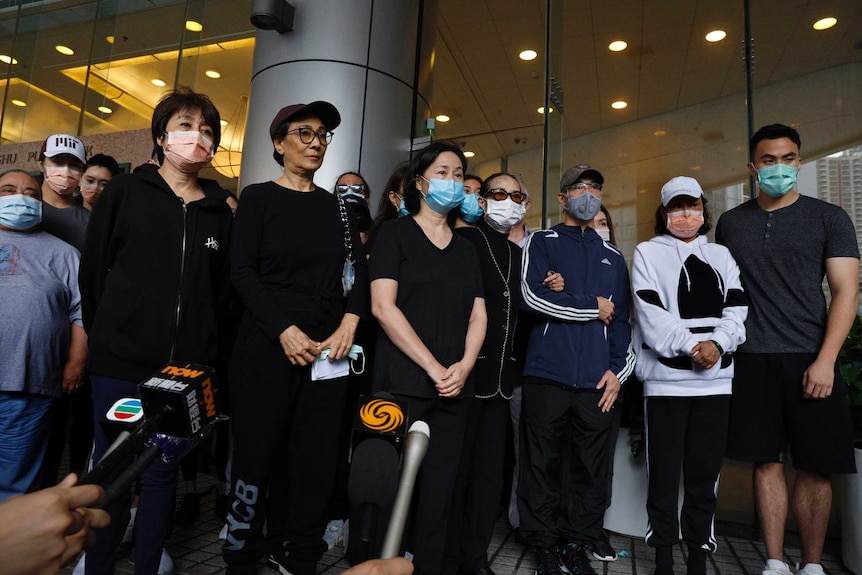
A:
[420,163]
[773,132]
[173,102]
[104,161]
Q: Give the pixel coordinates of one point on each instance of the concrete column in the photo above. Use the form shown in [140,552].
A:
[372,59]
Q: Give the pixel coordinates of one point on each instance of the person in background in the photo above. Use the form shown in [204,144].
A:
[470,211]
[426,292]
[391,204]
[99,170]
[604,226]
[690,311]
[576,362]
[288,257]
[42,341]
[62,159]
[155,286]
[354,190]
[787,389]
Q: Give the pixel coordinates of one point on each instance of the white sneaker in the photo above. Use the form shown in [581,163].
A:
[79,566]
[776,567]
[166,564]
[334,533]
[129,534]
[810,569]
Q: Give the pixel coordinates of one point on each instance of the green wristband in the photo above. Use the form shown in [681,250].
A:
[718,347]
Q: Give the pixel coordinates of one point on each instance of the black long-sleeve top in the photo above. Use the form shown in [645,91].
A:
[287,259]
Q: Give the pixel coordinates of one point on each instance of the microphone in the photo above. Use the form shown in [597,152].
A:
[181,405]
[415,447]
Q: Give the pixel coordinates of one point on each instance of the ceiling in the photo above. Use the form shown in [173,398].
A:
[490,95]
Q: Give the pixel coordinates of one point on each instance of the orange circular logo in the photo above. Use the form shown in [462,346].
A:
[381,415]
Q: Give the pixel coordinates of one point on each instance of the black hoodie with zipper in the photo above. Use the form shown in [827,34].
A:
[155,276]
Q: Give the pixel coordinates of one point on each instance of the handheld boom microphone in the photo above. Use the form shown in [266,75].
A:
[415,447]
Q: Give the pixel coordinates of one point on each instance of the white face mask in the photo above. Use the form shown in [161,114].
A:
[503,214]
[604,233]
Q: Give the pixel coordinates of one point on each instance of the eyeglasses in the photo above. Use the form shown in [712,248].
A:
[581,186]
[344,188]
[501,194]
[306,136]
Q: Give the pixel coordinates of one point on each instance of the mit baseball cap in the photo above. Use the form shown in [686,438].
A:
[680,186]
[59,144]
[580,172]
[323,110]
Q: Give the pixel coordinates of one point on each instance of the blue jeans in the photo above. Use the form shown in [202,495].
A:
[25,425]
[158,494]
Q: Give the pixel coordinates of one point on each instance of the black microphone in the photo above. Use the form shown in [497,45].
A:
[414,452]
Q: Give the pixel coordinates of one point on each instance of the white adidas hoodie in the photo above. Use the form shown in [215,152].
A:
[685,293]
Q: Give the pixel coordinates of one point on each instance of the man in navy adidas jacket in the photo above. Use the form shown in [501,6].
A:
[578,355]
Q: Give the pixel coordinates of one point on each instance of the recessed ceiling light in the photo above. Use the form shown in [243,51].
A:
[212,74]
[193,26]
[695,168]
[469,154]
[541,110]
[442,118]
[716,36]
[65,50]
[20,103]
[109,39]
[619,105]
[223,123]
[105,110]
[825,23]
[617,46]
[7,59]
[528,55]
[659,133]
[158,82]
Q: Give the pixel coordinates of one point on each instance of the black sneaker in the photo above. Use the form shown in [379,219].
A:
[281,562]
[547,561]
[602,550]
[573,559]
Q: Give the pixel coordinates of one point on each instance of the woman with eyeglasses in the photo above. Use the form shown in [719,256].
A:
[426,292]
[293,241]
[480,480]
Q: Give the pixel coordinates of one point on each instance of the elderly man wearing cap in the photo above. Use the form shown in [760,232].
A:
[293,242]
[690,310]
[576,361]
[62,159]
[39,301]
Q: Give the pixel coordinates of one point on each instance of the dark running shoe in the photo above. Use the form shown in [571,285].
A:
[602,550]
[573,559]
[547,561]
[281,562]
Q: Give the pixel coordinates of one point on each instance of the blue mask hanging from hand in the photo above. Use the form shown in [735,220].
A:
[777,179]
[470,209]
[444,195]
[20,212]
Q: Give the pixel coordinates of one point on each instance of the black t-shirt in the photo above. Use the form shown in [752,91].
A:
[436,291]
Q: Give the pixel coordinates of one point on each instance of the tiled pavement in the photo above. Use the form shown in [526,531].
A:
[197,550]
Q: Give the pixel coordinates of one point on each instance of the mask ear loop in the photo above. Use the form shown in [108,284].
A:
[353,363]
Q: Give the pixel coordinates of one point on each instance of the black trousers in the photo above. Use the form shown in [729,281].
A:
[476,500]
[286,432]
[447,419]
[563,431]
[688,434]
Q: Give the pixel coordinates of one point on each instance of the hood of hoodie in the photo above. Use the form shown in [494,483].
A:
[214,195]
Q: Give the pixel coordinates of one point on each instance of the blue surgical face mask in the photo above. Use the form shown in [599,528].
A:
[443,195]
[584,207]
[402,209]
[470,209]
[777,179]
[20,212]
